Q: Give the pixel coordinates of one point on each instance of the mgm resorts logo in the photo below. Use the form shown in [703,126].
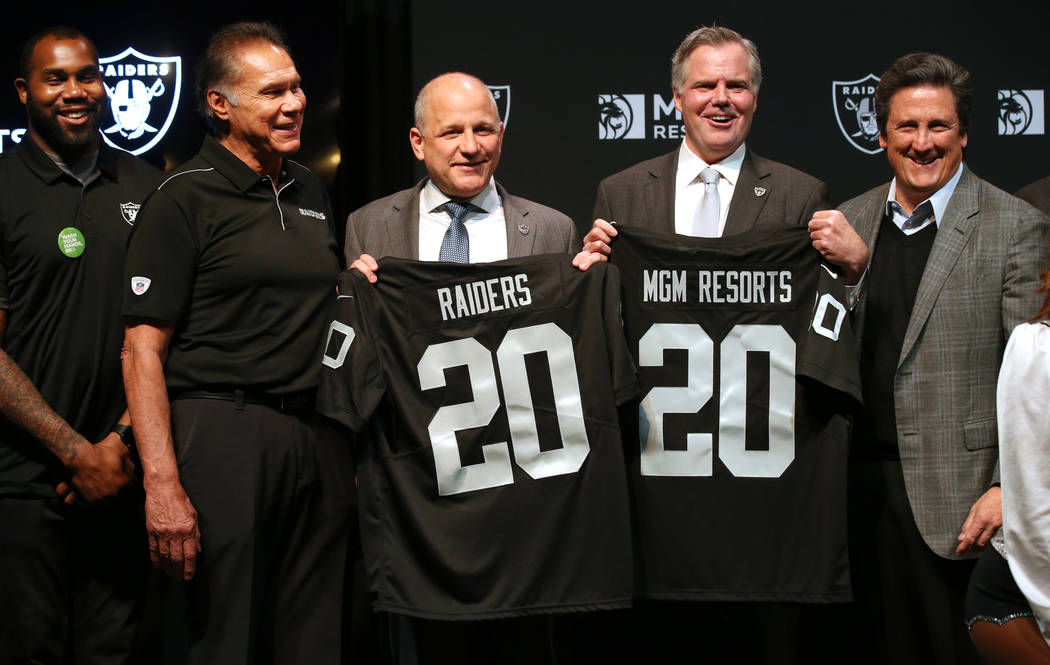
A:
[143,97]
[1020,112]
[623,116]
[854,104]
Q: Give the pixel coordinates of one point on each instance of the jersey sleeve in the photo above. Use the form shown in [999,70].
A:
[829,350]
[621,363]
[351,382]
[161,263]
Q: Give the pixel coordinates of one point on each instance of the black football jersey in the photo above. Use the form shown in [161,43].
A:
[747,367]
[491,471]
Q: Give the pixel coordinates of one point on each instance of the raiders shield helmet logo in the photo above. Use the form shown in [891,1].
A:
[501,93]
[143,95]
[854,103]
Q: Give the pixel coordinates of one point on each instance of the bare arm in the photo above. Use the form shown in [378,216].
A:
[171,520]
[96,471]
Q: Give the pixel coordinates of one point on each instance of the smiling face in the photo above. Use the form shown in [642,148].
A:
[461,136]
[716,100]
[265,124]
[64,96]
[923,140]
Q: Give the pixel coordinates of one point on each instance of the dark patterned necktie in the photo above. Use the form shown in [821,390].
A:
[455,246]
[919,216]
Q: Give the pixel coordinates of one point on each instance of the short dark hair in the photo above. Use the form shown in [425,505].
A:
[56,31]
[925,69]
[220,68]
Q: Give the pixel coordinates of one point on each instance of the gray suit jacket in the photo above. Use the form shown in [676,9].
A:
[390,227]
[767,192]
[979,282]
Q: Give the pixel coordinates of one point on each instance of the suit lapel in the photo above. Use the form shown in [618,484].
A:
[405,232]
[747,203]
[521,231]
[659,194]
[960,219]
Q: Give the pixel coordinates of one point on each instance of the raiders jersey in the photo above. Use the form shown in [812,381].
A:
[747,368]
[491,471]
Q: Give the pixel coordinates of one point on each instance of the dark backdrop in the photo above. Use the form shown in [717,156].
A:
[363,60]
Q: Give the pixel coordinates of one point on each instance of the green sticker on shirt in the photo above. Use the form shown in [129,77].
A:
[71,242]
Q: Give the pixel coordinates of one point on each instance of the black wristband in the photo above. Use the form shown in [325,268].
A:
[125,434]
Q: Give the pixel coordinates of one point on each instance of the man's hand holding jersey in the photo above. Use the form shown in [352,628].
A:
[597,244]
[367,266]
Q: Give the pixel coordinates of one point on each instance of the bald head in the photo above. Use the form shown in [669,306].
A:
[458,134]
[456,84]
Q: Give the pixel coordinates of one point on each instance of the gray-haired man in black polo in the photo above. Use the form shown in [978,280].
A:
[230,276]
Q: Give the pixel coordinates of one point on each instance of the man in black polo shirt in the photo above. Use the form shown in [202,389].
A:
[230,277]
[70,572]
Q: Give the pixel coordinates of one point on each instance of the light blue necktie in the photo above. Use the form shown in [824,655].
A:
[455,246]
[705,221]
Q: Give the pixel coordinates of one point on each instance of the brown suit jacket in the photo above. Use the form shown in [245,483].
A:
[390,227]
[767,192]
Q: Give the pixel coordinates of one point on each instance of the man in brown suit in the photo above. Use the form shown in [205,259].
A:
[716,74]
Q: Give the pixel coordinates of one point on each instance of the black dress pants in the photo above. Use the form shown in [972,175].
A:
[274,493]
[908,600]
[71,580]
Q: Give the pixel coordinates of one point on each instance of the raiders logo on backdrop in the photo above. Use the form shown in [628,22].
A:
[130,211]
[143,97]
[1020,112]
[854,103]
[501,93]
[621,116]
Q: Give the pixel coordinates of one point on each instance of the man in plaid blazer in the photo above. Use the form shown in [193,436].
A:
[953,268]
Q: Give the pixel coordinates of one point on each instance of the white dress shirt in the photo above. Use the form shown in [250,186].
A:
[486,225]
[689,188]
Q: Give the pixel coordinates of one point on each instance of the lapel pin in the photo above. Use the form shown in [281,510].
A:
[523,229]
[760,191]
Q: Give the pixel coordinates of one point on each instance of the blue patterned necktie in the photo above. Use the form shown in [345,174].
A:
[455,246]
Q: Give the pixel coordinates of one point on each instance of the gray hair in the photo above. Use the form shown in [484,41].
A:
[220,66]
[424,96]
[714,35]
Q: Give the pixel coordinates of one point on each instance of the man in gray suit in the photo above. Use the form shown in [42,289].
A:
[458,136]
[459,213]
[954,267]
[713,185]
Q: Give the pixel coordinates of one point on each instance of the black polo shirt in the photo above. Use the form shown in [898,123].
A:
[244,274]
[63,324]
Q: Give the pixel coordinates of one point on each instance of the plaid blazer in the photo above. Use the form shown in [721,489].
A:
[979,283]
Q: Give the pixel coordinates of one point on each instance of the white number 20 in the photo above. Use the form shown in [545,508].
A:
[453,477]
[697,458]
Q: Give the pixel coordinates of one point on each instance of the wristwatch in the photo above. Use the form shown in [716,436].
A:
[125,434]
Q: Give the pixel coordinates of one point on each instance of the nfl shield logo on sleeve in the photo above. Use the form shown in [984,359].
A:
[140,285]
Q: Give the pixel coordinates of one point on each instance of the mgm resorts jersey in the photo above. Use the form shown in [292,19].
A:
[491,475]
[747,365]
